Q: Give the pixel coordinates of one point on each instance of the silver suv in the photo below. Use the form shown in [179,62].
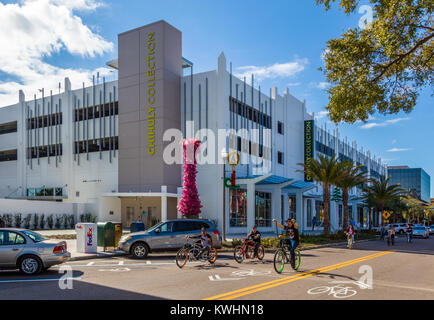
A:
[168,235]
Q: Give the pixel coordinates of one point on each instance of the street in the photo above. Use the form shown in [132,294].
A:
[403,271]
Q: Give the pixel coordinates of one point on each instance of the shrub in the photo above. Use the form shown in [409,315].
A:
[71,221]
[58,222]
[18,220]
[35,221]
[7,218]
[50,221]
[42,222]
[27,220]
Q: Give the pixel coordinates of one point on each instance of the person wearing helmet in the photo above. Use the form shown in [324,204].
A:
[293,237]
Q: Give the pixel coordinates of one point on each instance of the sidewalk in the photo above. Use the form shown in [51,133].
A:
[72,246]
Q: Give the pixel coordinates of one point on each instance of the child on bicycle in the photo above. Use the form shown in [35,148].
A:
[205,241]
[255,236]
[291,230]
[350,235]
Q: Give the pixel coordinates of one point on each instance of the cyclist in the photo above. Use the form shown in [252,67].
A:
[291,229]
[410,232]
[255,236]
[205,241]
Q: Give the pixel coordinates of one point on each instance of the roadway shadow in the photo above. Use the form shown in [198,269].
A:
[10,275]
[50,290]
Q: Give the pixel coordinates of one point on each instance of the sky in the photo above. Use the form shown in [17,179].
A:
[280,41]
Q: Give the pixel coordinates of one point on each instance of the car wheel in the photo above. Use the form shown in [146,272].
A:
[30,265]
[139,250]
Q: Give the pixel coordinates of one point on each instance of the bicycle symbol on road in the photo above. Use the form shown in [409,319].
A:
[339,291]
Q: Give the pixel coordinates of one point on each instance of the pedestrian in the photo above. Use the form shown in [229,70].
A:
[382,232]
[313,223]
[350,236]
[391,235]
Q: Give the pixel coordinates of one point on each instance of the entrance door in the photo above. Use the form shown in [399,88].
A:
[130,215]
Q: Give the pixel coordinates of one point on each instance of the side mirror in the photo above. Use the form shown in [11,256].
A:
[157,230]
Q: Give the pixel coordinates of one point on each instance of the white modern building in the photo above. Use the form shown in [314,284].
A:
[101,148]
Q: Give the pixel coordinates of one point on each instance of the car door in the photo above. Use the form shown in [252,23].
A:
[11,245]
[182,230]
[164,238]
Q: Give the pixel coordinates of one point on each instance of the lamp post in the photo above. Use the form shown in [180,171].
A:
[224,155]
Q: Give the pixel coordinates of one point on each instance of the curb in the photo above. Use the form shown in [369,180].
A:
[119,254]
[98,256]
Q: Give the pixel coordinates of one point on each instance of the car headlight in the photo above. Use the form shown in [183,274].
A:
[126,238]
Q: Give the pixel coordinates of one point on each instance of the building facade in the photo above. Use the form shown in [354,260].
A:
[415,180]
[114,147]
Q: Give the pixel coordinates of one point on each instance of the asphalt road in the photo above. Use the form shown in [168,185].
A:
[404,271]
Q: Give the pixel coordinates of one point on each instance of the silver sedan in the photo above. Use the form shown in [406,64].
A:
[29,251]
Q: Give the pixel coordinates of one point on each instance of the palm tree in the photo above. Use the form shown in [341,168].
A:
[325,171]
[380,192]
[350,176]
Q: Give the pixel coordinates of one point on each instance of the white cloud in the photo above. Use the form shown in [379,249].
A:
[34,29]
[277,70]
[319,85]
[399,149]
[322,114]
[382,124]
[293,84]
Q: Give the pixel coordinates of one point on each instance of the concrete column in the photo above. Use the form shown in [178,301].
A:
[276,203]
[299,208]
[251,205]
[334,216]
[163,204]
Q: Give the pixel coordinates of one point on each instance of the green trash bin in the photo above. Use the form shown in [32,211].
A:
[106,234]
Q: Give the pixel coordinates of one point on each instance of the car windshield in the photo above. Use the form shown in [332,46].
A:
[36,237]
[155,226]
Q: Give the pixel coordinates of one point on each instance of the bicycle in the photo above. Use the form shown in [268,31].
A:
[190,252]
[350,240]
[247,251]
[390,239]
[282,256]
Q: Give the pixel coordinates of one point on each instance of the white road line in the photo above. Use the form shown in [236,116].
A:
[38,280]
[391,285]
[121,263]
[148,262]
[90,263]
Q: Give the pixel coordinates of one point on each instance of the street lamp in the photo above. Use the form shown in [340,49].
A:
[224,155]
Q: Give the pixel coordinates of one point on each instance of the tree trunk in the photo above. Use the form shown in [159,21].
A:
[326,199]
[370,218]
[345,204]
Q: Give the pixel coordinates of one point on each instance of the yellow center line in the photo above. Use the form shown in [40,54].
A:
[278,282]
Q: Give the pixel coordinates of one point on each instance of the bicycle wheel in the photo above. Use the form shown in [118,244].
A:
[181,257]
[212,256]
[344,293]
[297,259]
[261,253]
[318,290]
[238,254]
[279,261]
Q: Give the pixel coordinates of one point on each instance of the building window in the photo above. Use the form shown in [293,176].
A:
[238,208]
[8,127]
[107,144]
[292,207]
[279,127]
[263,209]
[8,155]
[280,157]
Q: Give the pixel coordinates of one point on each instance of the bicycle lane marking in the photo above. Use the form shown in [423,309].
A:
[278,282]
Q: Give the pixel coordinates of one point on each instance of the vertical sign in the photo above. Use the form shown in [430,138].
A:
[309,143]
